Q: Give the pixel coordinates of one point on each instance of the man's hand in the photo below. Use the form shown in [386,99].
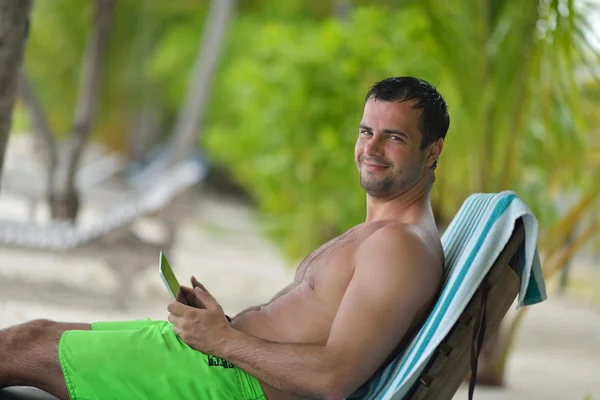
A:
[201,329]
[186,295]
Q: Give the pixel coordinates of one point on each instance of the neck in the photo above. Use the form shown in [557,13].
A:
[409,206]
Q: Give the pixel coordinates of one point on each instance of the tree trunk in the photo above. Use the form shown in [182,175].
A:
[184,138]
[145,130]
[38,122]
[64,196]
[147,111]
[14,24]
[185,135]
[62,159]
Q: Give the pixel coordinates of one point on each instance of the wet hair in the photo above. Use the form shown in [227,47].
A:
[434,121]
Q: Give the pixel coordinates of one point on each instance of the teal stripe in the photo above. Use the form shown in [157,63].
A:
[467,230]
[470,228]
[456,246]
[499,208]
[457,223]
[450,243]
[532,294]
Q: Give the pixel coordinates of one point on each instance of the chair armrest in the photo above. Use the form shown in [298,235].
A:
[24,393]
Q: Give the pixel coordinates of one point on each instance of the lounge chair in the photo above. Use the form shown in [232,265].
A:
[491,257]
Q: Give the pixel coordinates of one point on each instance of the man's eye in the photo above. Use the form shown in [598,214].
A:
[396,138]
[365,133]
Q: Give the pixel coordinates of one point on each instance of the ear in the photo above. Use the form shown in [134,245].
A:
[433,151]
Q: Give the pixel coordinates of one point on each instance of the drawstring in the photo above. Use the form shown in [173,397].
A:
[478,336]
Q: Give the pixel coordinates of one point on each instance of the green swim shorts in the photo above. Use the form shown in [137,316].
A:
[146,360]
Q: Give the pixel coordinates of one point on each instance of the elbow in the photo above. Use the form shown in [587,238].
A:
[334,394]
[337,386]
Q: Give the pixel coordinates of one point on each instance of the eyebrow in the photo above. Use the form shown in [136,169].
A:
[385,131]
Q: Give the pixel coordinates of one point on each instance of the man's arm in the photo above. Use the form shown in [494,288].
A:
[395,277]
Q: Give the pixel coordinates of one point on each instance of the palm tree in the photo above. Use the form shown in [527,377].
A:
[518,120]
[14,21]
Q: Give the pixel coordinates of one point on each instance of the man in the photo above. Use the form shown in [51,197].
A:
[351,308]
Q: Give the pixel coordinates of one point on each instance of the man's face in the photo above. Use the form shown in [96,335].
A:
[388,150]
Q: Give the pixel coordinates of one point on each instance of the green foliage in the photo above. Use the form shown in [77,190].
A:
[289,97]
[286,113]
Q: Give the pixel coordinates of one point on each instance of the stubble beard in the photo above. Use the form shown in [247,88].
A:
[378,188]
[387,186]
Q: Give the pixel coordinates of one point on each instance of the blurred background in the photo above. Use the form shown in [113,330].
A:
[222,133]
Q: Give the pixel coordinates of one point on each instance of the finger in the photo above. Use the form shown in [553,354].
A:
[177,308]
[176,330]
[206,298]
[181,296]
[196,283]
[189,298]
[174,319]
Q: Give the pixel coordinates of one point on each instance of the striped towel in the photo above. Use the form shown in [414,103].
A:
[471,244]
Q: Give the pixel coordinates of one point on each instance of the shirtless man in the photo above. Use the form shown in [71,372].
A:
[351,308]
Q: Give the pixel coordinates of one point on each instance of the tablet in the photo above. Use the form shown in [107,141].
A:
[168,277]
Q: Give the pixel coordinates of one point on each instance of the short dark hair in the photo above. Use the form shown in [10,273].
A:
[434,120]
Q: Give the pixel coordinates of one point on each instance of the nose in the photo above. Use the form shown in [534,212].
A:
[374,146]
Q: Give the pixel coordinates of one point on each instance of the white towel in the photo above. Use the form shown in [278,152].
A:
[472,242]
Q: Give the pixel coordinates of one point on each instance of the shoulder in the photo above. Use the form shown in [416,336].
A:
[401,250]
[394,238]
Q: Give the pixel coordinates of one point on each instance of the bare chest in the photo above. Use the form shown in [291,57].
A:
[330,267]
